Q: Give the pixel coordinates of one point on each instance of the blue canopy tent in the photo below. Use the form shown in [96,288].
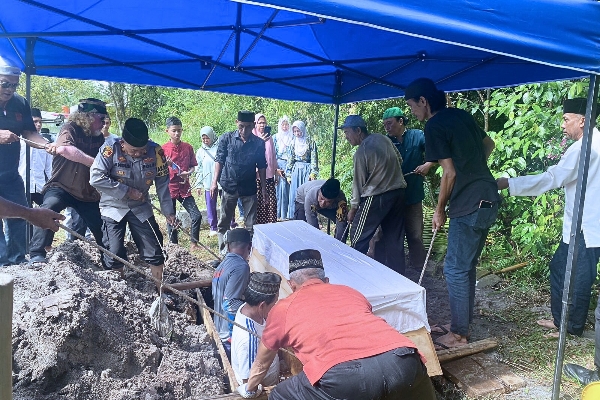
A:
[327,51]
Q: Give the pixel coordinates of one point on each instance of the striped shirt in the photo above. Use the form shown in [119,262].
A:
[244,347]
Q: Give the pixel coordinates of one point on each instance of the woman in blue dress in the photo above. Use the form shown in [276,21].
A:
[283,139]
[303,162]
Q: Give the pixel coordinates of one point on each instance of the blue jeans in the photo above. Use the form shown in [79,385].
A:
[466,238]
[584,277]
[13,230]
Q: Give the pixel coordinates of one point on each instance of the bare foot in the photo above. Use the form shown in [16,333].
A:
[194,247]
[451,340]
[546,323]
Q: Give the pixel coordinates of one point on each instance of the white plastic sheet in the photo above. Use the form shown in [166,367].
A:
[395,298]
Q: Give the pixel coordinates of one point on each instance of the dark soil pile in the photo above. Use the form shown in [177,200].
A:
[82,333]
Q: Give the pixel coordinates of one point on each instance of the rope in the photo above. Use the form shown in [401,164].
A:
[189,233]
[166,285]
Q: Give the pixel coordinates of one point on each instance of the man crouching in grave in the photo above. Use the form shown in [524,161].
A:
[123,172]
[260,296]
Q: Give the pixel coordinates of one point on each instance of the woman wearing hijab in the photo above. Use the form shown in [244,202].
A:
[303,162]
[282,141]
[206,166]
[266,209]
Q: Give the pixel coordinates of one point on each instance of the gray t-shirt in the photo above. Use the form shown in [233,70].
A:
[308,196]
[228,285]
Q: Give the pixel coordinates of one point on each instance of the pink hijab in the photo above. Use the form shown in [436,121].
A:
[270,153]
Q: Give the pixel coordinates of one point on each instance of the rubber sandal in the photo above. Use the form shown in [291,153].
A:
[439,346]
[441,329]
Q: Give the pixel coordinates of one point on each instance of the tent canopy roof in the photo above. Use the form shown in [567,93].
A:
[250,49]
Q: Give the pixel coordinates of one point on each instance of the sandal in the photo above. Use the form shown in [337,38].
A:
[441,329]
[439,346]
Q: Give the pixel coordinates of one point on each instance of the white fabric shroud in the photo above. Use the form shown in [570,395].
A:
[398,300]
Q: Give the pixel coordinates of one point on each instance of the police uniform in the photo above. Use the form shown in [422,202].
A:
[112,174]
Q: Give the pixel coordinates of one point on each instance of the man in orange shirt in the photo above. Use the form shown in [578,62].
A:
[347,352]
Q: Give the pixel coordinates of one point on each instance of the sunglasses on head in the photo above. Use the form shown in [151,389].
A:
[6,85]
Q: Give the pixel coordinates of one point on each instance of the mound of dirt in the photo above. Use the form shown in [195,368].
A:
[81,333]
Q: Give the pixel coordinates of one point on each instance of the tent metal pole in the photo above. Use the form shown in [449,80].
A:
[574,238]
[333,151]
[338,91]
[238,32]
[335,136]
[29,67]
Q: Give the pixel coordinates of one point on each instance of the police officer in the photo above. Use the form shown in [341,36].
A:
[123,172]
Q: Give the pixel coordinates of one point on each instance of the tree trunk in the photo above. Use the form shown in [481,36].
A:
[118,94]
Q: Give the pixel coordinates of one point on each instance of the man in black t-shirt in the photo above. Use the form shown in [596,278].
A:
[15,121]
[461,147]
[239,156]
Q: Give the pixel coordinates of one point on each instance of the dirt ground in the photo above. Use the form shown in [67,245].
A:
[82,333]
[508,313]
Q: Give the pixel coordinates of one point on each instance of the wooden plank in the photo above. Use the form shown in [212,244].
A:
[422,339]
[472,378]
[212,330]
[6,311]
[500,371]
[463,351]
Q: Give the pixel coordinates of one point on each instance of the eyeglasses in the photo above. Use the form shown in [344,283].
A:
[6,85]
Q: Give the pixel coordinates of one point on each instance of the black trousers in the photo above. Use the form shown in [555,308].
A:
[146,236]
[387,210]
[396,374]
[58,199]
[190,206]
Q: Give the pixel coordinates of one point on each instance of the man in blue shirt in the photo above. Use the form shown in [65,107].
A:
[411,145]
[230,281]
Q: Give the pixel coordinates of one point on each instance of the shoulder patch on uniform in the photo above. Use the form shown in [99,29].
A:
[162,169]
[107,152]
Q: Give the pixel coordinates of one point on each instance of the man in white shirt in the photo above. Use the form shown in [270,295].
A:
[564,174]
[261,295]
[40,163]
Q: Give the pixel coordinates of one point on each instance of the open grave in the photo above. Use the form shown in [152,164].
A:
[83,333]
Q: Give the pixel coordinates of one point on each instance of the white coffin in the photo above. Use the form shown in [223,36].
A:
[394,298]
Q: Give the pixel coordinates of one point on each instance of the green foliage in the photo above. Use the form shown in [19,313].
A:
[529,141]
[524,122]
[50,94]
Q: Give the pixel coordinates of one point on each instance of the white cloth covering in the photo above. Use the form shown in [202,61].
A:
[564,174]
[244,347]
[395,298]
[40,165]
